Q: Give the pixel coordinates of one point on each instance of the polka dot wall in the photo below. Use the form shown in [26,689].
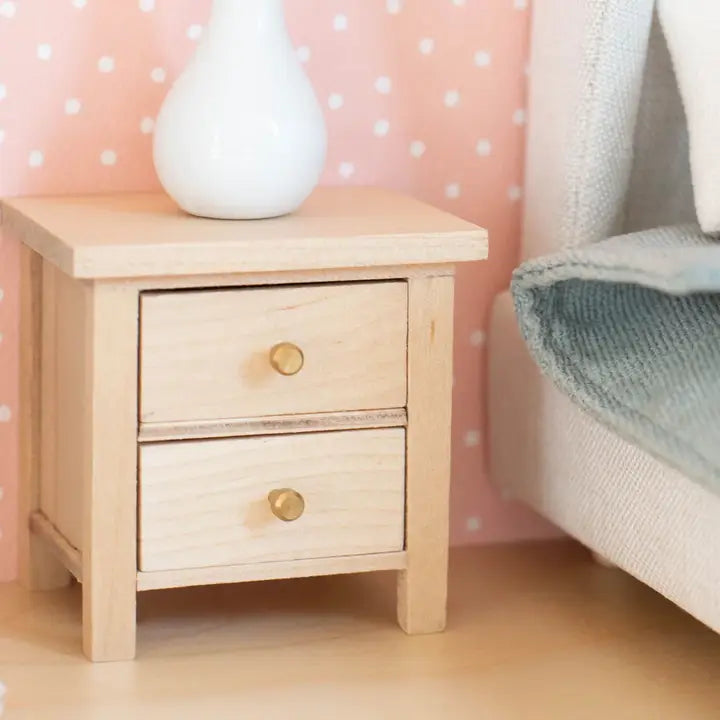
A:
[423,96]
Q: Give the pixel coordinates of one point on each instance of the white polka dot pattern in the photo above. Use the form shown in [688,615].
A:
[483,58]
[108,157]
[72,106]
[427,45]
[427,96]
[8,9]
[417,148]
[44,51]
[477,338]
[473,524]
[382,128]
[383,85]
[519,116]
[472,438]
[483,147]
[452,98]
[158,75]
[452,191]
[106,64]
[336,101]
[515,192]
[36,159]
[347,170]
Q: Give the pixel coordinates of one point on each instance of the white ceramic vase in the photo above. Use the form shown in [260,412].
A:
[241,134]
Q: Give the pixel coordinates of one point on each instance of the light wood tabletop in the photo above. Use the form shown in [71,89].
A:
[145,235]
[536,632]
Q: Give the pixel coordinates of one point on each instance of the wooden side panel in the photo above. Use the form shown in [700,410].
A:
[39,569]
[422,596]
[73,369]
[64,373]
[49,419]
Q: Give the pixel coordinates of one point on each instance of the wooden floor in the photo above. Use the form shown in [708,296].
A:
[536,632]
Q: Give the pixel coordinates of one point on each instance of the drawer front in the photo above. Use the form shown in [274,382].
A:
[218,354]
[209,503]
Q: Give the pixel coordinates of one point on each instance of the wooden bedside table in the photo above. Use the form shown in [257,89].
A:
[213,402]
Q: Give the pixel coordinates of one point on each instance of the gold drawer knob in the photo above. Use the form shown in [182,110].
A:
[287,359]
[286,505]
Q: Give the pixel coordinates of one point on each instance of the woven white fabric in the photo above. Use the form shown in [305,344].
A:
[607,154]
[692,28]
[659,526]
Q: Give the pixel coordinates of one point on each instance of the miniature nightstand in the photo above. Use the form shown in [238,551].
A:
[216,402]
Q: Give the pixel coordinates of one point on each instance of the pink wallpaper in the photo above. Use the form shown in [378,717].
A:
[423,96]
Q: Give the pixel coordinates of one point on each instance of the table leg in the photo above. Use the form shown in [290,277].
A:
[422,590]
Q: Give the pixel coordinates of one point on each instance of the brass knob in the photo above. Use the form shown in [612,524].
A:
[286,505]
[287,359]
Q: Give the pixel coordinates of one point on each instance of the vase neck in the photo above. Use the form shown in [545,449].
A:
[242,19]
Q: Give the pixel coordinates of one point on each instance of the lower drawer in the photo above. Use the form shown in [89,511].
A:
[229,502]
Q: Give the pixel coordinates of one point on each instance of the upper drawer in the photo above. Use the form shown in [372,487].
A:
[214,354]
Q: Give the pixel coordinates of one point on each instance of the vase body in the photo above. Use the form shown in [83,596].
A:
[241,134]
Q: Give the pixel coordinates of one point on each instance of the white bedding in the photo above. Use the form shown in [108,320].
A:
[692,29]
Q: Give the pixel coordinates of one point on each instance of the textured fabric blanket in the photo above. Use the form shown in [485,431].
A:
[621,306]
[629,328]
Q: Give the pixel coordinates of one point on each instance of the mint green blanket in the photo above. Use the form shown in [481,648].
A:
[629,328]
